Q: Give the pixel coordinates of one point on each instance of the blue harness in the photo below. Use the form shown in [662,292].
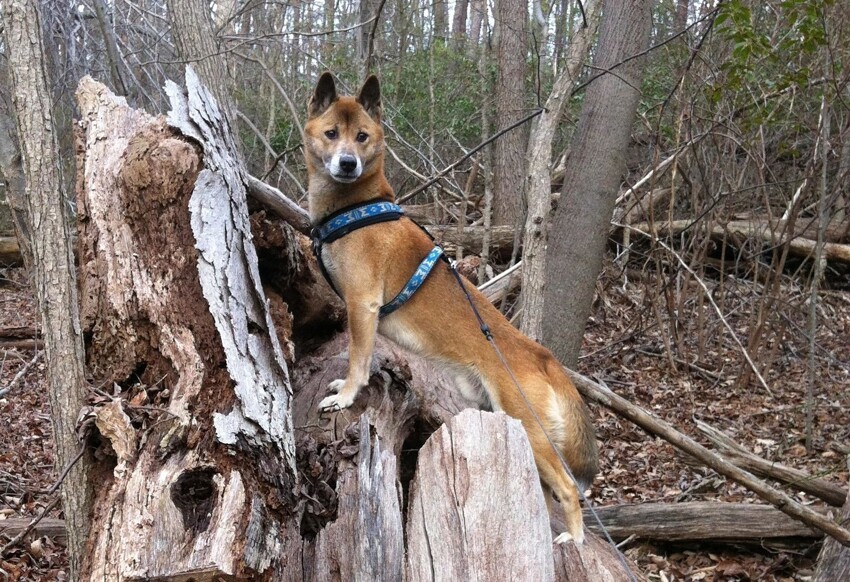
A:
[349,219]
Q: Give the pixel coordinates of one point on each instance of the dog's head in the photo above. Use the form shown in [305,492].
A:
[343,137]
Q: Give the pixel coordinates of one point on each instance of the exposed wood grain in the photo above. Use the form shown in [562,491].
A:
[699,521]
[476,507]
[172,299]
[834,559]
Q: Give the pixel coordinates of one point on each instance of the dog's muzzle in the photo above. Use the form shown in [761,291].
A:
[345,168]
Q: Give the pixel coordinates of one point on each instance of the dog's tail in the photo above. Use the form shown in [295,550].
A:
[575,434]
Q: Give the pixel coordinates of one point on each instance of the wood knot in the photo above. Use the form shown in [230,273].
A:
[194,495]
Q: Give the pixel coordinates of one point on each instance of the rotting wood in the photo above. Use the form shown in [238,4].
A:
[161,316]
[741,457]
[602,395]
[834,559]
[477,511]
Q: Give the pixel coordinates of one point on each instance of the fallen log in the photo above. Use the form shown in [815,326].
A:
[741,457]
[48,527]
[471,237]
[602,395]
[763,230]
[700,521]
[10,252]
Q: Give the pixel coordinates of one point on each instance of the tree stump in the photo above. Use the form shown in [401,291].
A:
[209,355]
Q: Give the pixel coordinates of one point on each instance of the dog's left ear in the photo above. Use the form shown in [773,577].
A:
[370,97]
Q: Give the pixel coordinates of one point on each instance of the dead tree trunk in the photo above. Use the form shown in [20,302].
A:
[210,379]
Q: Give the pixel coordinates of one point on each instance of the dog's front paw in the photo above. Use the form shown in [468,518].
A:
[335,402]
[566,537]
[336,385]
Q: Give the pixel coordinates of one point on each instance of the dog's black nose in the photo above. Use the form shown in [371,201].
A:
[347,163]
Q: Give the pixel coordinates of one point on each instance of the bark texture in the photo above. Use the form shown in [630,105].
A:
[196,41]
[538,181]
[176,316]
[593,175]
[511,48]
[52,258]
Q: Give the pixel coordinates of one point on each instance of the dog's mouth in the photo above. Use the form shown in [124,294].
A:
[345,177]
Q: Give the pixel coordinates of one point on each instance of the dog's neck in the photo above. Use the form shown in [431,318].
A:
[326,195]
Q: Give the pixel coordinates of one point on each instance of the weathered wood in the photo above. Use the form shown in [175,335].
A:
[471,238]
[366,542]
[10,252]
[457,530]
[602,395]
[699,521]
[49,527]
[834,559]
[275,200]
[173,305]
[741,457]
[759,229]
[477,512]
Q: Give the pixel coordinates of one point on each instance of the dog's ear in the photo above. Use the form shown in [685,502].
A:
[370,97]
[323,97]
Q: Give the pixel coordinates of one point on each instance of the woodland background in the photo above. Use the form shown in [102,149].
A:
[724,291]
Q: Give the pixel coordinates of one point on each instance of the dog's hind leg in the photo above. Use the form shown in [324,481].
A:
[554,477]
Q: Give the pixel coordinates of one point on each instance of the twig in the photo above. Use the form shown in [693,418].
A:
[47,508]
[468,155]
[710,298]
[21,373]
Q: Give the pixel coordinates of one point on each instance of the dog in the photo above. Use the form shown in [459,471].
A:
[344,151]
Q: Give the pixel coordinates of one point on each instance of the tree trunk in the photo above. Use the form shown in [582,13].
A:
[196,42]
[53,260]
[511,98]
[593,175]
[538,181]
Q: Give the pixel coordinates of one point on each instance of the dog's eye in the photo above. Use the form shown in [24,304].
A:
[362,137]
[330,134]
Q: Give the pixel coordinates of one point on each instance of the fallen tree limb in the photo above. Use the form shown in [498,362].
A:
[277,202]
[471,237]
[699,521]
[503,284]
[741,457]
[50,527]
[797,245]
[602,395]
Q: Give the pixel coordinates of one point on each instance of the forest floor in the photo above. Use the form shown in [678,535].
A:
[624,348]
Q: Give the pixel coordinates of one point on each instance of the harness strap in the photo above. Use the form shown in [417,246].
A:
[351,218]
[414,283]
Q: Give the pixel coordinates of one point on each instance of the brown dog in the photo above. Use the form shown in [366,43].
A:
[344,148]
